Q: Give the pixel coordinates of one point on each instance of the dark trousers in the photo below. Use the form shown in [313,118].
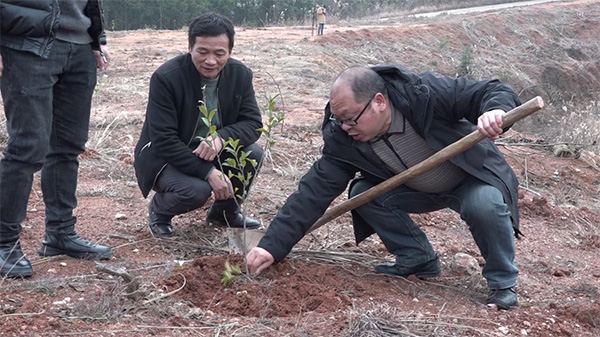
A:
[47,106]
[178,193]
[480,205]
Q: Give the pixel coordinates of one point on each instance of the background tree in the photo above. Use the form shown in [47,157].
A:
[176,14]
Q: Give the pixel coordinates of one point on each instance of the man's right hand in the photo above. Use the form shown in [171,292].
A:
[258,260]
[220,184]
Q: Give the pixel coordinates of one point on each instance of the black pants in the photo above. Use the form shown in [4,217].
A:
[178,193]
[47,106]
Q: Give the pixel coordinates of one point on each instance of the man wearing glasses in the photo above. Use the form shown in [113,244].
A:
[383,120]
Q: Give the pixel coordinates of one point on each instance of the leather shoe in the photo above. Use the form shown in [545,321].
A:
[504,299]
[424,270]
[234,219]
[13,262]
[157,226]
[67,242]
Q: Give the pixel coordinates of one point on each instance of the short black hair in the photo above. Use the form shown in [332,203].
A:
[211,24]
[364,82]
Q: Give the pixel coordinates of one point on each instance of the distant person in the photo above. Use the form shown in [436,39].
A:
[383,120]
[175,156]
[50,52]
[321,18]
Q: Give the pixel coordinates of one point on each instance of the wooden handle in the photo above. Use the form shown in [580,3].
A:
[430,163]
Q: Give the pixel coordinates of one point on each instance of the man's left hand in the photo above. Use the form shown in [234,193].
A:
[490,123]
[102,58]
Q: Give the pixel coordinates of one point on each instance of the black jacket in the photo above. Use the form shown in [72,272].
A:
[441,109]
[173,114]
[31,25]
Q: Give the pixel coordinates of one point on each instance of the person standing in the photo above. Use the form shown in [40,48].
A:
[381,121]
[50,50]
[175,155]
[321,18]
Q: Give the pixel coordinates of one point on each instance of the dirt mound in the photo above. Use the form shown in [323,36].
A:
[284,290]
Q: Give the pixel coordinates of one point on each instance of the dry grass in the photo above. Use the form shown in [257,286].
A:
[386,321]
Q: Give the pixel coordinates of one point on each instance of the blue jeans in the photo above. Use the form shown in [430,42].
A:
[480,205]
[320,29]
[178,193]
[47,106]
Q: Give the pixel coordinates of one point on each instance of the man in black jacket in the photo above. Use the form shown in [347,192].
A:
[177,156]
[50,52]
[383,120]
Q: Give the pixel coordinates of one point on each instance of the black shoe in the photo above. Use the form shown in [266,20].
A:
[69,243]
[504,299]
[423,270]
[12,261]
[234,219]
[157,226]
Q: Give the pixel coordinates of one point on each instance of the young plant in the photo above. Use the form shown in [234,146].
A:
[239,159]
[230,273]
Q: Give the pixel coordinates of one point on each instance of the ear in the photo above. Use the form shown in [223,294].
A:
[380,102]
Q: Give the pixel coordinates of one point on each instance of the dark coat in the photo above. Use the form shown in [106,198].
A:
[173,114]
[441,109]
[31,25]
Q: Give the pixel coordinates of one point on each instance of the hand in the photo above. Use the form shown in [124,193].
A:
[102,58]
[490,123]
[209,148]
[258,260]
[220,184]
[1,65]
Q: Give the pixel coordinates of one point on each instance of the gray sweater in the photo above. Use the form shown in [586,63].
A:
[74,24]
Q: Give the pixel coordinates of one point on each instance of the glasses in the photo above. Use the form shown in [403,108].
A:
[350,121]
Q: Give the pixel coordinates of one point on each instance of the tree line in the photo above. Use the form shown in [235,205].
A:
[176,14]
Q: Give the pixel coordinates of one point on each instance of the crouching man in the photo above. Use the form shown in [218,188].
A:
[175,155]
[383,120]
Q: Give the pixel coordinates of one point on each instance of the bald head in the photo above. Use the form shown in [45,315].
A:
[362,81]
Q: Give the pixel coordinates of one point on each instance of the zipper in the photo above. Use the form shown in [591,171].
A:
[196,126]
[219,106]
[391,147]
[158,174]
[144,147]
[52,21]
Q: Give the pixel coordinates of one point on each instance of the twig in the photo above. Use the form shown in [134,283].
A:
[530,190]
[195,246]
[183,327]
[526,174]
[336,257]
[541,145]
[167,294]
[24,314]
[94,332]
[122,236]
[280,95]
[133,243]
[131,281]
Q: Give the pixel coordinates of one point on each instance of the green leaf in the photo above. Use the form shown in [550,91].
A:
[212,115]
[234,142]
[205,121]
[230,162]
